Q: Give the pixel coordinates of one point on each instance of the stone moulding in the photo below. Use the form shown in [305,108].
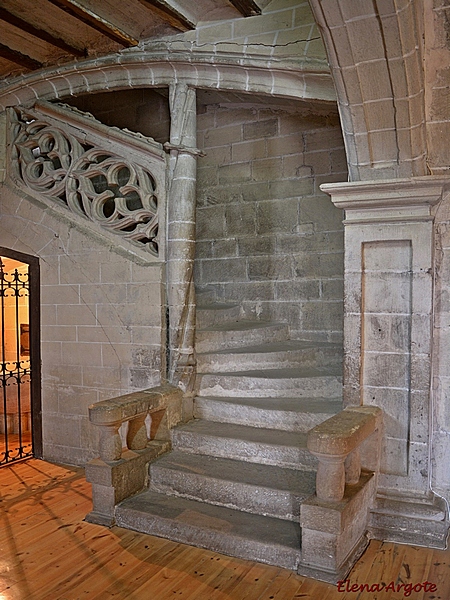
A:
[71,162]
[308,80]
[120,472]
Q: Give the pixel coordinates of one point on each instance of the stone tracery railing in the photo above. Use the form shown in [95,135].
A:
[70,159]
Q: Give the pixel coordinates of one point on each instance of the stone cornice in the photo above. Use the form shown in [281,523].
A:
[387,192]
[388,199]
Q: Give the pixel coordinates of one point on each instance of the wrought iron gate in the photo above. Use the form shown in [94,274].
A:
[15,403]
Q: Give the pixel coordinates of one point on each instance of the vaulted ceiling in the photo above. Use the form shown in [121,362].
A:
[49,32]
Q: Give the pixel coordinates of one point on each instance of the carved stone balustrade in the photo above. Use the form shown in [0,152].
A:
[335,520]
[120,471]
[335,443]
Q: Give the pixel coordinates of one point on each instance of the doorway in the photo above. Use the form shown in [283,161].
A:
[20,400]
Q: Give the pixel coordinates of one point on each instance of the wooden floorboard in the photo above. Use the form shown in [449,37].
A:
[48,552]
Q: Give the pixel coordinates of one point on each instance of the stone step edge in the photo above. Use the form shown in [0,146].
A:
[267,348]
[210,485]
[215,540]
[294,456]
[224,409]
[185,428]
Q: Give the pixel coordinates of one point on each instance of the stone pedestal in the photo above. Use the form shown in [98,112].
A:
[114,481]
[333,533]
[388,308]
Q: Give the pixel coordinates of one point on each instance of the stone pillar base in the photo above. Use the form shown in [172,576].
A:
[334,533]
[112,482]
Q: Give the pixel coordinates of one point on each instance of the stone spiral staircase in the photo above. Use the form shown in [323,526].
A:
[238,472]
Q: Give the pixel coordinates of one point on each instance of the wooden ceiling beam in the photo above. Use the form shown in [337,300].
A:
[173,16]
[11,19]
[19,59]
[82,13]
[247,8]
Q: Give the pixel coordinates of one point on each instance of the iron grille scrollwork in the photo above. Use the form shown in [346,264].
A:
[91,182]
[15,375]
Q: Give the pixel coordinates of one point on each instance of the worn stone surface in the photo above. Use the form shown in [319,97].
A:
[242,442]
[417,521]
[286,414]
[333,531]
[219,529]
[256,488]
[113,482]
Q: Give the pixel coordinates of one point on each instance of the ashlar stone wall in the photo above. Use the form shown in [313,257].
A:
[440,417]
[102,321]
[266,235]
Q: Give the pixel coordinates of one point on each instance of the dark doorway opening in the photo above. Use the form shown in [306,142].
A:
[20,374]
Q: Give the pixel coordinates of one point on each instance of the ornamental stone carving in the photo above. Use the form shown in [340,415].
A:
[69,167]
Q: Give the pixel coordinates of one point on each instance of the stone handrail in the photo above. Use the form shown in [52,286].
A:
[163,403]
[120,472]
[336,443]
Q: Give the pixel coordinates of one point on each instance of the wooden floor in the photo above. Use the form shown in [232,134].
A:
[47,552]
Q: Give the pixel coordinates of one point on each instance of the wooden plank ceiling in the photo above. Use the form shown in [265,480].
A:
[48,32]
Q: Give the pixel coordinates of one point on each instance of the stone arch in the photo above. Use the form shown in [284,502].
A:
[146,69]
[375,53]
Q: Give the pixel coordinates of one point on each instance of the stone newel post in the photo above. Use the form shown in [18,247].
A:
[181,234]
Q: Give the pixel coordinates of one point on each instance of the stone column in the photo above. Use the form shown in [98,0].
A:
[388,307]
[181,234]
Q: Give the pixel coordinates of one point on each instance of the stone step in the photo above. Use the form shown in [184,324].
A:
[259,489]
[230,532]
[279,383]
[240,442]
[409,508]
[233,335]
[285,354]
[409,522]
[286,414]
[210,314]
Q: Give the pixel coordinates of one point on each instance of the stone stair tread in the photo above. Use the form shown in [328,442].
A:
[286,373]
[246,433]
[241,325]
[219,529]
[299,405]
[265,476]
[284,414]
[285,346]
[417,509]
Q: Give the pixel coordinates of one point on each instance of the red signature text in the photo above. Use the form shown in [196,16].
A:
[405,588]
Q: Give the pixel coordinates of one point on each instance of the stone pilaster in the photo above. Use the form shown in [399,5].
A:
[388,307]
[181,235]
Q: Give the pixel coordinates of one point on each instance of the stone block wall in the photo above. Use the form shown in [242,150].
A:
[266,235]
[145,110]
[102,323]
[437,74]
[441,354]
[286,29]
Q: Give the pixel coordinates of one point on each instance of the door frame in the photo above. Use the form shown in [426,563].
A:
[34,307]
